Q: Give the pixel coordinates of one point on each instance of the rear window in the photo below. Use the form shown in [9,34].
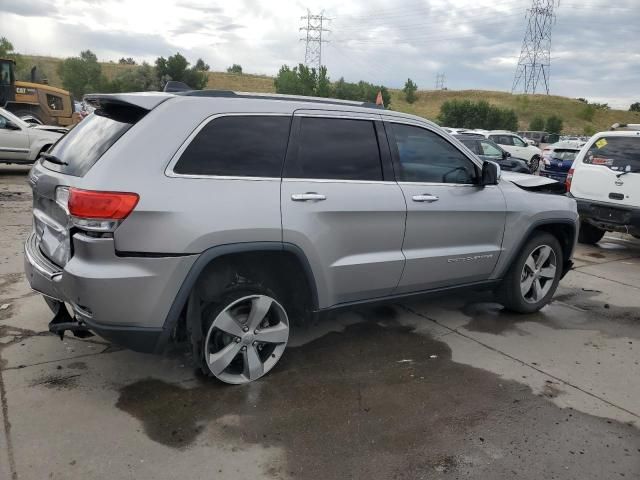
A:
[564,154]
[238,146]
[83,146]
[615,153]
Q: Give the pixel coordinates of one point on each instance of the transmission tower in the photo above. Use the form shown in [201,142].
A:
[314,28]
[534,63]
[439,81]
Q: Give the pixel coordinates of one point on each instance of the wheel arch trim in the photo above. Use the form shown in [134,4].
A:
[527,235]
[209,255]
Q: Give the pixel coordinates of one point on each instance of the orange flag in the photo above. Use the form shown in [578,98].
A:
[379,100]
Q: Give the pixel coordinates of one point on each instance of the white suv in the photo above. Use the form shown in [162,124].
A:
[516,146]
[605,181]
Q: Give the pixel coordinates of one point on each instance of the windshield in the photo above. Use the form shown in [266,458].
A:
[615,153]
[90,139]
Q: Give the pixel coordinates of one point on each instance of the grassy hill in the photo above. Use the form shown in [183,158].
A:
[427,105]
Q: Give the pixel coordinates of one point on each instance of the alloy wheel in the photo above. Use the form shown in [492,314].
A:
[538,274]
[246,339]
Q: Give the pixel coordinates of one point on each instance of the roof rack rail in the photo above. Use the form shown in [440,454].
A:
[274,96]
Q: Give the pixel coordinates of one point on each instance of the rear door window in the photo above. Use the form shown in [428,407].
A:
[615,153]
[336,148]
[83,146]
[502,139]
[490,149]
[238,146]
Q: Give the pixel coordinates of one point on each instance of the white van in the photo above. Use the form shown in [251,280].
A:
[605,181]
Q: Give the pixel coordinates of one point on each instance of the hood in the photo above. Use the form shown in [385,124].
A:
[51,128]
[534,183]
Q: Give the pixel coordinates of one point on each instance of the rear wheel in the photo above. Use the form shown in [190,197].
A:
[589,234]
[534,276]
[246,334]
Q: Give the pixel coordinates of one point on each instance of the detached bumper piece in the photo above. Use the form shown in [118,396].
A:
[62,321]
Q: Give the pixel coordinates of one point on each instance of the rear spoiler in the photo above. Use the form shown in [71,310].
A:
[144,100]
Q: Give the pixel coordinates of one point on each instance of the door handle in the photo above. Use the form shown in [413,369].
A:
[425,198]
[308,197]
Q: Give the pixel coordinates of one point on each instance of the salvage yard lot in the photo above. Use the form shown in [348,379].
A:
[440,388]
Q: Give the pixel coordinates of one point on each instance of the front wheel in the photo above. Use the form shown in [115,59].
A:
[590,234]
[534,164]
[534,276]
[247,333]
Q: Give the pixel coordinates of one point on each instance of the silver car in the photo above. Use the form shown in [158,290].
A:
[223,220]
[22,142]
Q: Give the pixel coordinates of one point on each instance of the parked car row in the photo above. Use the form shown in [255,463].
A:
[22,142]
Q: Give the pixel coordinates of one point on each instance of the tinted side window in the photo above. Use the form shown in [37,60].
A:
[239,146]
[501,139]
[490,149]
[471,144]
[426,157]
[336,148]
[517,142]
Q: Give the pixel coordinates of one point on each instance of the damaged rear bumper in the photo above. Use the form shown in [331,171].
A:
[124,300]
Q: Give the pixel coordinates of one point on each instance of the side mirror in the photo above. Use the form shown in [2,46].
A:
[505,154]
[490,173]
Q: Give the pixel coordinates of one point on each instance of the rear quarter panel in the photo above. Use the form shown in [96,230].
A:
[183,215]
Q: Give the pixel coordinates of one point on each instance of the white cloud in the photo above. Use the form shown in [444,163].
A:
[475,42]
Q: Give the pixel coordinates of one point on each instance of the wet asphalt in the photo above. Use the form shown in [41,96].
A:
[444,388]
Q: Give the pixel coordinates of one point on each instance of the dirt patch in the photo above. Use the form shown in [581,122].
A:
[346,406]
[57,382]
[77,365]
[14,196]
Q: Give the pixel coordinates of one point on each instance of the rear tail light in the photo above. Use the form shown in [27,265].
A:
[567,182]
[95,210]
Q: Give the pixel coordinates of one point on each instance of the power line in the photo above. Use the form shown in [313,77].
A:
[534,63]
[440,81]
[313,46]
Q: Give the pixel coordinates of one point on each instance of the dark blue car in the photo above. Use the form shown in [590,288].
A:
[557,160]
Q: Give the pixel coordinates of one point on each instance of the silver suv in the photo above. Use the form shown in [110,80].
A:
[221,219]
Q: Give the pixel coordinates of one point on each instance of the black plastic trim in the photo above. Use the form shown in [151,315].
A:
[551,221]
[211,254]
[138,339]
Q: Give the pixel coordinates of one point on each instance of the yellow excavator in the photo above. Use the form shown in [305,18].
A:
[47,105]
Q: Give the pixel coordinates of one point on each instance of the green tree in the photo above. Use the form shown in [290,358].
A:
[127,61]
[82,74]
[536,124]
[468,114]
[635,107]
[587,113]
[176,67]
[409,90]
[6,47]
[554,124]
[302,80]
[201,66]
[235,68]
[138,79]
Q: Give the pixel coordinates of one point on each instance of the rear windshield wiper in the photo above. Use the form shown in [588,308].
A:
[53,159]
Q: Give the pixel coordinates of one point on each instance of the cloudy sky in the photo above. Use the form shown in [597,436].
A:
[476,43]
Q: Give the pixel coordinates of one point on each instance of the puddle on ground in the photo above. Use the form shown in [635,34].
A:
[571,308]
[349,405]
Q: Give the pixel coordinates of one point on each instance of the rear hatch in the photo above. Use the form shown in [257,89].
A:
[610,171]
[560,160]
[66,163]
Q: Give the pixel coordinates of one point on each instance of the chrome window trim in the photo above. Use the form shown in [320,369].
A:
[168,171]
[336,180]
